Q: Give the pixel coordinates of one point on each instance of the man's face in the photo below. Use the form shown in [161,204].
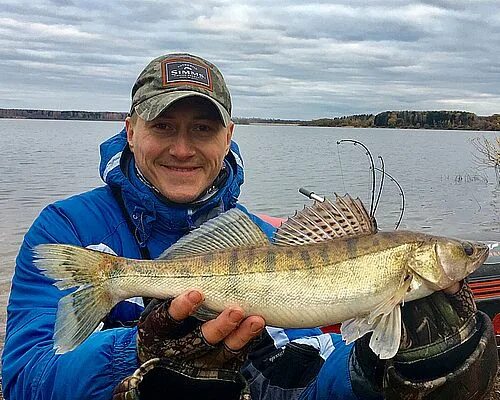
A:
[181,151]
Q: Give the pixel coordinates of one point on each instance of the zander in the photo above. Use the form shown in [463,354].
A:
[325,265]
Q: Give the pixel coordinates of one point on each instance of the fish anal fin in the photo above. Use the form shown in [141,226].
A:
[231,229]
[346,217]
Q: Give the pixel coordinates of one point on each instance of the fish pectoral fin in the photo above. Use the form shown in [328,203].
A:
[204,313]
[386,330]
[387,306]
[386,335]
[346,217]
[384,321]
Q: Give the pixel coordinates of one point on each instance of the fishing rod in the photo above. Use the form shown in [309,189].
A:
[401,194]
[374,203]
[311,195]
[382,166]
[372,168]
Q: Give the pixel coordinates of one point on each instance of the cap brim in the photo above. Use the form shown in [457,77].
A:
[151,108]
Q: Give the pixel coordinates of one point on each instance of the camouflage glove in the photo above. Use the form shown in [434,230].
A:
[443,340]
[433,328]
[177,361]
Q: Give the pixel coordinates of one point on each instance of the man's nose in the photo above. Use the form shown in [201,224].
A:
[182,147]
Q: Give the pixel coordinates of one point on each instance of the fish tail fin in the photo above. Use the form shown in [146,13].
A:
[80,312]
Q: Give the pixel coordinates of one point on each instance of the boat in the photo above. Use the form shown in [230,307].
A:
[485,284]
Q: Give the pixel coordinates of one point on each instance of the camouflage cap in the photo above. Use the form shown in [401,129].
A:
[172,77]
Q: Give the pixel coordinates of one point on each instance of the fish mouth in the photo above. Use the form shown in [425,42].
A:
[483,252]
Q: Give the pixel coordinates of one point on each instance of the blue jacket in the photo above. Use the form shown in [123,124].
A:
[31,369]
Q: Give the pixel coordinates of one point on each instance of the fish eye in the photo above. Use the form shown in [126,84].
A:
[469,250]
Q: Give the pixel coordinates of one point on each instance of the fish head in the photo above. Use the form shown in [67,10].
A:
[459,258]
[441,262]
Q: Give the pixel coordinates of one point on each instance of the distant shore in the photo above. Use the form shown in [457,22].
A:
[452,120]
[16,113]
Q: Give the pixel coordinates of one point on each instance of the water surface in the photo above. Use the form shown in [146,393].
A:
[43,161]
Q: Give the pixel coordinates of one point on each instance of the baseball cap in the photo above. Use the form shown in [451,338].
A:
[175,76]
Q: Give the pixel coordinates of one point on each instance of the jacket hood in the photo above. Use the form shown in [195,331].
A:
[144,207]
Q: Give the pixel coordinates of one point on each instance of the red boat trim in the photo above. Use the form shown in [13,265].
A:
[486,289]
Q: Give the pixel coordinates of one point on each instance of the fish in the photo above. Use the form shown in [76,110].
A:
[326,264]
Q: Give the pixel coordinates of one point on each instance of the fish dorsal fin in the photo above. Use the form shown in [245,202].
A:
[346,217]
[231,229]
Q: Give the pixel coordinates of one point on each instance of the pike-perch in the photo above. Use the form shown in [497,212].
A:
[325,265]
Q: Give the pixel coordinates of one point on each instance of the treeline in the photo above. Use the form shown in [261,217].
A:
[414,119]
[386,119]
[250,121]
[71,115]
[358,121]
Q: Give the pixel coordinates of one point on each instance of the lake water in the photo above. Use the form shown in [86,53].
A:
[42,161]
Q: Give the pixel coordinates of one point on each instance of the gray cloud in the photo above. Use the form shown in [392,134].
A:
[281,59]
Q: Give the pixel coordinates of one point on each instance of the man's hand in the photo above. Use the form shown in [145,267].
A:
[186,358]
[230,327]
[166,329]
[433,328]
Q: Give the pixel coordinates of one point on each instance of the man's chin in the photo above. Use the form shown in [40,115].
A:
[180,197]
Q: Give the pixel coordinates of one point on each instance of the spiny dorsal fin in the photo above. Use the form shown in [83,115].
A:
[231,229]
[347,217]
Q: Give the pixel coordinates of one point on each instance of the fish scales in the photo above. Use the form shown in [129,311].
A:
[269,280]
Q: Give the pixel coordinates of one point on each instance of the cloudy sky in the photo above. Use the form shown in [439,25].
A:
[281,59]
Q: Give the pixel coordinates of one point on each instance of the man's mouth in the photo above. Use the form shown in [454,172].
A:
[180,169]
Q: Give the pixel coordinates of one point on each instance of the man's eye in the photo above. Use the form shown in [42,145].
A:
[163,127]
[202,128]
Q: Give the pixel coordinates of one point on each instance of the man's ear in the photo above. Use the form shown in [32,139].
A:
[229,136]
[129,127]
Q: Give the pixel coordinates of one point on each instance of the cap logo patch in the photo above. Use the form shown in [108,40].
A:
[181,72]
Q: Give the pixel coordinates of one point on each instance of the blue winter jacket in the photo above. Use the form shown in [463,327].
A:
[32,370]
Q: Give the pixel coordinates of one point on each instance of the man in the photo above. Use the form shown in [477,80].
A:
[173,168]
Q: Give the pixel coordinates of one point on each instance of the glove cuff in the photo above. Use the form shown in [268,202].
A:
[473,378]
[164,379]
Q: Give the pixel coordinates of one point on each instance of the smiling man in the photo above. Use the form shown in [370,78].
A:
[181,152]
[171,169]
